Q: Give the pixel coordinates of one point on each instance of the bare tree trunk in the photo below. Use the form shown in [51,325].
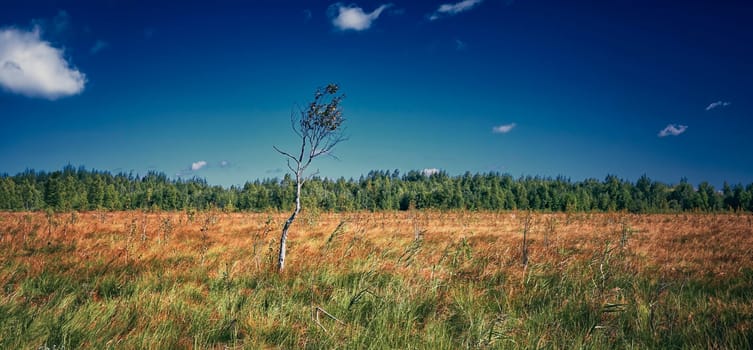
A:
[284,237]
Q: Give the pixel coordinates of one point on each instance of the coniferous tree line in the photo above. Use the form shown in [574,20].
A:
[81,189]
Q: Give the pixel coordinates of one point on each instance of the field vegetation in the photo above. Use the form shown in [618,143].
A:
[403,280]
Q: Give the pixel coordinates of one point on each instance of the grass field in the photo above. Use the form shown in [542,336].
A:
[405,280]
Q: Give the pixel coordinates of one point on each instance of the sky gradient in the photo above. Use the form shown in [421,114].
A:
[581,89]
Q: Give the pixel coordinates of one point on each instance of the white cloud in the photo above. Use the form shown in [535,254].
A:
[98,46]
[453,9]
[503,129]
[717,104]
[430,171]
[673,130]
[31,67]
[224,164]
[198,165]
[352,17]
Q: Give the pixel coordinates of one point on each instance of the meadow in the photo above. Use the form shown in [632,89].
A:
[383,280]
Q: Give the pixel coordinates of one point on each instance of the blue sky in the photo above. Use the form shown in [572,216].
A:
[192,88]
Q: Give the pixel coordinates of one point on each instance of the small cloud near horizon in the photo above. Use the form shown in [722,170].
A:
[198,165]
[717,104]
[32,67]
[430,171]
[352,17]
[445,10]
[672,130]
[503,129]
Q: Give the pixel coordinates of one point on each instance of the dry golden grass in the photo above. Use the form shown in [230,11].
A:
[691,245]
[426,249]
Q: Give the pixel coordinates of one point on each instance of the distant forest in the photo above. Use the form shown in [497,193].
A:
[81,189]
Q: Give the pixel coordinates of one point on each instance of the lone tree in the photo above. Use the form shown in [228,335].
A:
[319,126]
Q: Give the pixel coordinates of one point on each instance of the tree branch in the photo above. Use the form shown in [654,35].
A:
[290,167]
[284,153]
[293,120]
